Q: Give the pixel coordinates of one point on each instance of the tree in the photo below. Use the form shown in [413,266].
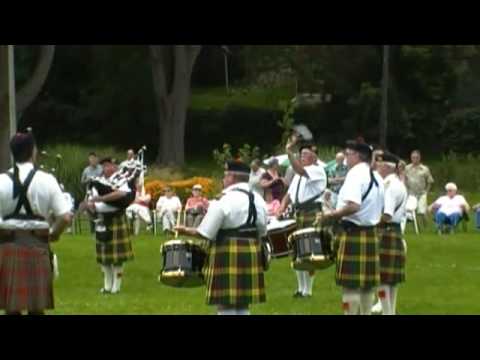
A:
[24,98]
[384,111]
[172,67]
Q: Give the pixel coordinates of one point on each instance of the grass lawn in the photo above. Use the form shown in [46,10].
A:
[259,98]
[441,279]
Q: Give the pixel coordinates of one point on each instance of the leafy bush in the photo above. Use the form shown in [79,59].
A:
[247,153]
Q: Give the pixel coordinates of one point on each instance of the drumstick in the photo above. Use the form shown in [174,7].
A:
[179,216]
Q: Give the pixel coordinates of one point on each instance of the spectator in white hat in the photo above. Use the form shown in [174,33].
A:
[449,209]
[196,207]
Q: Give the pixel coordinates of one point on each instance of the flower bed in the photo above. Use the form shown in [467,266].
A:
[183,188]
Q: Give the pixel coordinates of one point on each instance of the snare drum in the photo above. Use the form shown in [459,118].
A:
[277,235]
[182,264]
[312,250]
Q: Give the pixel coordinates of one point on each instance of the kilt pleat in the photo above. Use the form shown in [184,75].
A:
[26,280]
[392,256]
[358,263]
[234,273]
[305,218]
[118,249]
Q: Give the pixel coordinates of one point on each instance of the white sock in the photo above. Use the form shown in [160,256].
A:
[300,281]
[351,301]
[393,299]
[243,312]
[308,283]
[117,278]
[136,225]
[107,277]
[384,294]
[366,302]
[226,311]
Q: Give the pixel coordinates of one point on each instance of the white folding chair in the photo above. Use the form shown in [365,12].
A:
[411,213]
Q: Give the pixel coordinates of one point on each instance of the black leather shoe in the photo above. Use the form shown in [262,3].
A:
[298,294]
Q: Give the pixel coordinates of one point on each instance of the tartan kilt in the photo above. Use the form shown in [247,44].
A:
[305,218]
[234,272]
[115,247]
[392,255]
[357,262]
[26,279]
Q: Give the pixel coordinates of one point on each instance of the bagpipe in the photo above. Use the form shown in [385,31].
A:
[130,172]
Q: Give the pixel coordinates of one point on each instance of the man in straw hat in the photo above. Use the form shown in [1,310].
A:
[234,226]
[27,198]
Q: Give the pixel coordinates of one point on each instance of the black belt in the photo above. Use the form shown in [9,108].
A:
[390,225]
[350,225]
[237,233]
[11,235]
[309,207]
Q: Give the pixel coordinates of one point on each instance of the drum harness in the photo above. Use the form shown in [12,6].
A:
[310,204]
[348,224]
[20,191]
[249,228]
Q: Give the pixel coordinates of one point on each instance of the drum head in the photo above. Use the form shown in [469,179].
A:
[311,265]
[181,280]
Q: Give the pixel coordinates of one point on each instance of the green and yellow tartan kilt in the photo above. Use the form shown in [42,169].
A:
[305,218]
[115,246]
[234,273]
[358,262]
[392,255]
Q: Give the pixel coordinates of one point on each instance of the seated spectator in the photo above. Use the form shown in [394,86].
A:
[140,210]
[196,207]
[272,181]
[272,204]
[449,209]
[168,207]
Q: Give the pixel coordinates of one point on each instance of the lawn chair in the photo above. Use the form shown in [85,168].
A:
[411,213]
[463,221]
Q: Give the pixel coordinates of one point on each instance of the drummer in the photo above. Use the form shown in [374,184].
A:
[305,193]
[359,207]
[234,226]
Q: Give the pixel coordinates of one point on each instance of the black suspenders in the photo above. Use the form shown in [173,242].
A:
[372,181]
[20,191]
[252,211]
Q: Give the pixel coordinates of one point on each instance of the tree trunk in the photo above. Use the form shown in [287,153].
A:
[24,97]
[30,91]
[7,104]
[384,111]
[172,68]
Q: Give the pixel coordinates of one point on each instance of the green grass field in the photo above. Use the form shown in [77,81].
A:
[441,279]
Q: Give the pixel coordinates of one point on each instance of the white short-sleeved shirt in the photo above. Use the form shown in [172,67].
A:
[449,206]
[395,198]
[231,212]
[44,195]
[310,187]
[172,204]
[355,186]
